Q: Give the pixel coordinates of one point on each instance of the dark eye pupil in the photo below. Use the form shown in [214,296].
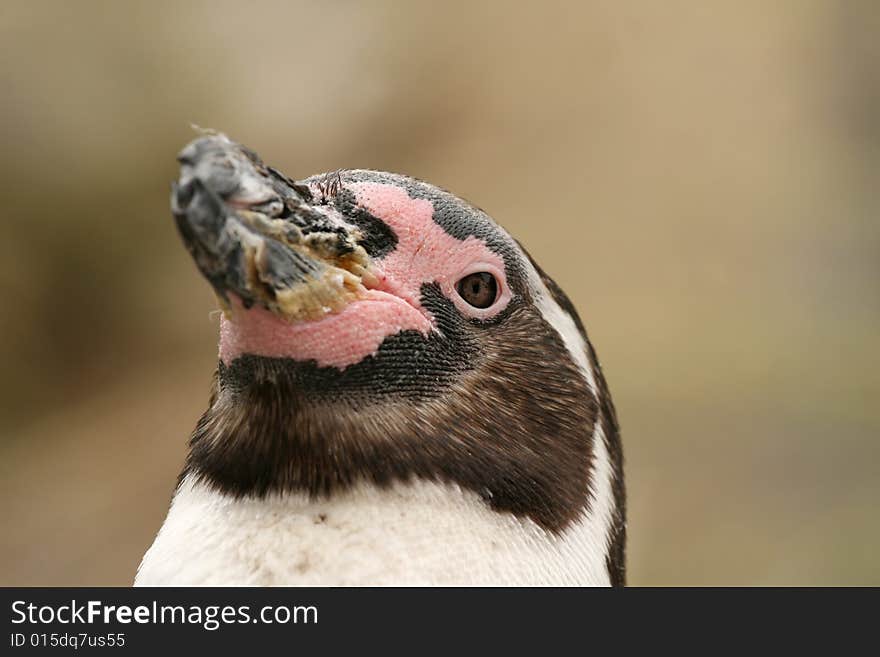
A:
[479,289]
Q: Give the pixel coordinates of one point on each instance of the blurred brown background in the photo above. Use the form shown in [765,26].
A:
[702,178]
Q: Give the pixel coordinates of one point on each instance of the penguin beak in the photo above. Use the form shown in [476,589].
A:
[256,234]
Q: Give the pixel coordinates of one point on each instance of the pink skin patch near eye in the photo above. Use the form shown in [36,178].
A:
[425,253]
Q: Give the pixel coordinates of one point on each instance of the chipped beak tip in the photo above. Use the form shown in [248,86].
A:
[254,235]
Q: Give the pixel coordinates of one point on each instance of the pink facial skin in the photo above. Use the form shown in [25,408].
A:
[425,253]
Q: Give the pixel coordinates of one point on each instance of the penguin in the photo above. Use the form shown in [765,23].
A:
[403,396]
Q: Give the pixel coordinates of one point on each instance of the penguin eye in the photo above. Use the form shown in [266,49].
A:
[479,289]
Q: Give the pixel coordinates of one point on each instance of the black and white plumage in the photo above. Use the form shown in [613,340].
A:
[403,395]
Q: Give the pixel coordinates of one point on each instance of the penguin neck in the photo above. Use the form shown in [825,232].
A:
[262,434]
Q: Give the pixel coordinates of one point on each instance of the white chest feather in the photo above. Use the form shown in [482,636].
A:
[414,534]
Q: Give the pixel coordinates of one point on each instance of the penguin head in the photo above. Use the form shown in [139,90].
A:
[378,328]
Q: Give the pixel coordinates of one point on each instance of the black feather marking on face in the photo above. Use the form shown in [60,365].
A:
[498,408]
[407,367]
[379,239]
[615,561]
[455,216]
